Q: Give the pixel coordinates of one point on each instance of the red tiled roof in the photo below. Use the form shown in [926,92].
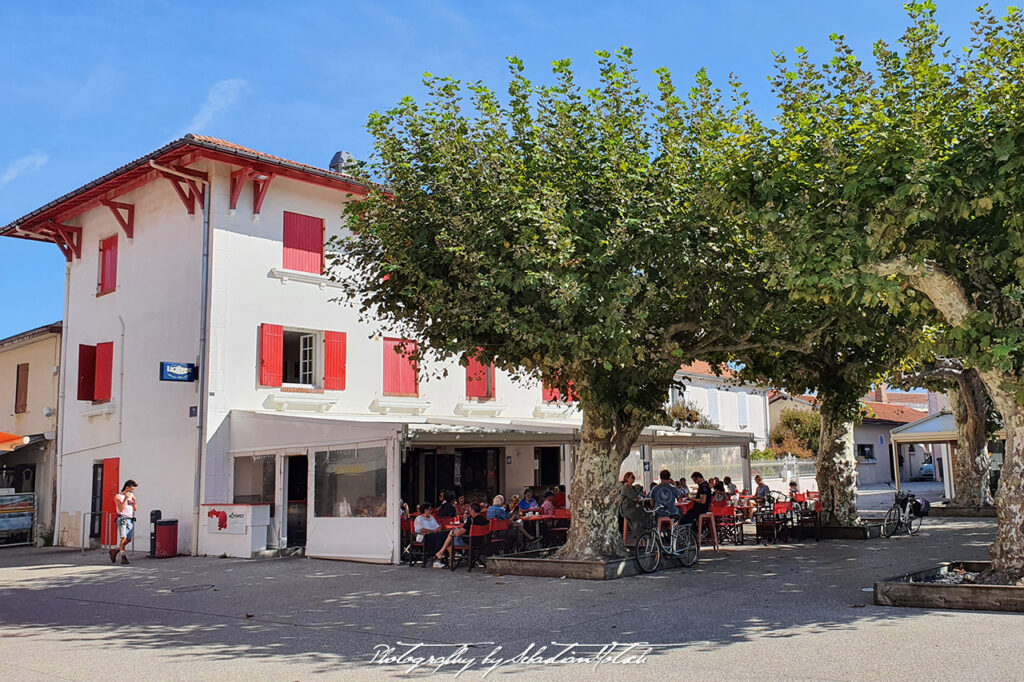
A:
[704,369]
[186,150]
[890,413]
[917,398]
[781,395]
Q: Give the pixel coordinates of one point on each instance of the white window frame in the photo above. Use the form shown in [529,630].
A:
[310,358]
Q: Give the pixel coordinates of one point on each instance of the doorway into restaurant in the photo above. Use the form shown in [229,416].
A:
[296,495]
[472,472]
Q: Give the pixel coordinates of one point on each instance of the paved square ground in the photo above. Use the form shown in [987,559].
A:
[748,613]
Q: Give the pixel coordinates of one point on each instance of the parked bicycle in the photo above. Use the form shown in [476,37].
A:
[907,512]
[680,543]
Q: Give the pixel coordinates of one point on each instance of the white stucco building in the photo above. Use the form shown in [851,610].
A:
[205,356]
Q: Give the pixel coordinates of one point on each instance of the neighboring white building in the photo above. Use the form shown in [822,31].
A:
[204,357]
[733,406]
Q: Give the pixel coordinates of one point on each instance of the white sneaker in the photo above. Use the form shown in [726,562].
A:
[439,564]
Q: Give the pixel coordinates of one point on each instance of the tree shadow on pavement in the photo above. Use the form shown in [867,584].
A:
[332,615]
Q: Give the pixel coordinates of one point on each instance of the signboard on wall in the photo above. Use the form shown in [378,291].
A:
[177,371]
[229,519]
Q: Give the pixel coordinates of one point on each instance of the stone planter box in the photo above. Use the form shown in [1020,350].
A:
[904,590]
[540,564]
[946,511]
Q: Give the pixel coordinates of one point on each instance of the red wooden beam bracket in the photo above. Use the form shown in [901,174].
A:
[238,178]
[126,220]
[68,238]
[259,193]
[178,183]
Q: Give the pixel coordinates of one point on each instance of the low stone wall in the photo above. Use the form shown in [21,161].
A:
[942,509]
[906,590]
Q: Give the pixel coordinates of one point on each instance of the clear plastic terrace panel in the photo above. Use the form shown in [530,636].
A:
[709,460]
[355,501]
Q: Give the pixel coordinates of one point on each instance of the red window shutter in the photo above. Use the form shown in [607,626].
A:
[479,380]
[104,371]
[400,375]
[549,394]
[86,372]
[335,348]
[21,389]
[111,486]
[108,264]
[303,243]
[271,354]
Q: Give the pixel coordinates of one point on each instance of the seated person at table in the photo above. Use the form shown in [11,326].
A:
[460,505]
[456,537]
[631,506]
[718,494]
[497,509]
[730,487]
[548,507]
[513,506]
[762,493]
[701,499]
[794,488]
[561,500]
[665,496]
[446,510]
[528,502]
[428,531]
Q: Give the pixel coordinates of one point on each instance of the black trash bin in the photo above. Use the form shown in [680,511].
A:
[154,516]
[166,538]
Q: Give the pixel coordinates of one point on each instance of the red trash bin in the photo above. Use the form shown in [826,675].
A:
[166,538]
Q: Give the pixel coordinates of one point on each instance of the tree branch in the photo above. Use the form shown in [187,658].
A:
[941,288]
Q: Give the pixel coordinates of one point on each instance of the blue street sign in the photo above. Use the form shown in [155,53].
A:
[177,371]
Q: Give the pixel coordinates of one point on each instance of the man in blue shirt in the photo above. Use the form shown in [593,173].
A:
[497,509]
[665,496]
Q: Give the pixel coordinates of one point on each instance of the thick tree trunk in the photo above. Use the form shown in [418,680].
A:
[837,472]
[969,401]
[1007,551]
[605,441]
[950,299]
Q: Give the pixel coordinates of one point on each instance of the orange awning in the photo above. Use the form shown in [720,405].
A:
[8,441]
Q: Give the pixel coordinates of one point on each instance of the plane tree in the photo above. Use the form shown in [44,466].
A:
[570,234]
[900,183]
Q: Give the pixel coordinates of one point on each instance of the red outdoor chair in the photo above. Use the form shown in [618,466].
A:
[772,524]
[478,540]
[412,551]
[500,538]
[808,516]
[728,523]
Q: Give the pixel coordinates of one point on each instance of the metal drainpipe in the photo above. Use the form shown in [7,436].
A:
[61,387]
[203,369]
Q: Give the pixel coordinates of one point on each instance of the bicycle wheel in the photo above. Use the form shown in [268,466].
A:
[648,552]
[685,543]
[914,524]
[891,522]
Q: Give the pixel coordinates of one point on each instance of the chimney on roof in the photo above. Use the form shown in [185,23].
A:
[341,162]
[880,394]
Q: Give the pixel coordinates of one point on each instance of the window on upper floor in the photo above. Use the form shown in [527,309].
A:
[742,410]
[303,243]
[550,394]
[401,374]
[479,380]
[301,357]
[108,266]
[95,371]
[21,389]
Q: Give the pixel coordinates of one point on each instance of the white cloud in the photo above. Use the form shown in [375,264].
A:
[221,96]
[22,166]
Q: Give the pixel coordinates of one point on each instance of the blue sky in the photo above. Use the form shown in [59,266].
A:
[88,86]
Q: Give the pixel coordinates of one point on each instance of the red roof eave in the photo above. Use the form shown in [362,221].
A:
[182,152]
